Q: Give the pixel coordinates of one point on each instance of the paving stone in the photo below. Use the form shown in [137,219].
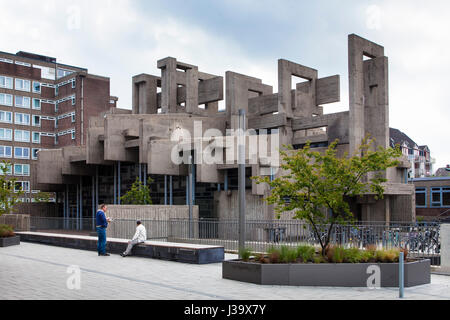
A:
[32,271]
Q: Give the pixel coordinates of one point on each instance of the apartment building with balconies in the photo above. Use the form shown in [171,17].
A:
[419,156]
[44,105]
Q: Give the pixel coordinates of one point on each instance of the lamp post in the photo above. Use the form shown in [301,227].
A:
[241,178]
[190,196]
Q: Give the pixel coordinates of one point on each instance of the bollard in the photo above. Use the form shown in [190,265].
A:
[401,275]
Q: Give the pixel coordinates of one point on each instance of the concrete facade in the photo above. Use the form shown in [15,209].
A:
[176,115]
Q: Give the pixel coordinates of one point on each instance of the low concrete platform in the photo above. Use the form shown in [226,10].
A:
[180,252]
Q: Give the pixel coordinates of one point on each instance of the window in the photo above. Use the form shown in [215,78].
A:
[36,104]
[73,118]
[36,121]
[421,197]
[22,186]
[61,73]
[6,99]
[56,107]
[36,87]
[6,82]
[8,169]
[5,134]
[5,117]
[74,84]
[5,152]
[23,85]
[36,137]
[22,119]
[440,197]
[22,170]
[73,135]
[73,101]
[21,153]
[56,91]
[22,102]
[34,153]
[21,136]
[56,123]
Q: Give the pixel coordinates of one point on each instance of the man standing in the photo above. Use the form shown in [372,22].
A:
[139,237]
[101,225]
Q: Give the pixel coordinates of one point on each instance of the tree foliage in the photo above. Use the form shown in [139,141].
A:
[8,196]
[138,194]
[318,185]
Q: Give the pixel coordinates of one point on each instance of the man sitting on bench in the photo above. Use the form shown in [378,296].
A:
[139,237]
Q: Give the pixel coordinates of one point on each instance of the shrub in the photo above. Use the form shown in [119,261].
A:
[288,254]
[306,253]
[319,259]
[335,254]
[405,252]
[367,256]
[245,254]
[261,258]
[371,248]
[6,231]
[380,256]
[352,255]
[274,255]
[392,256]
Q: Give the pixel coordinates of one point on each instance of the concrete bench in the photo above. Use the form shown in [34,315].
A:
[180,252]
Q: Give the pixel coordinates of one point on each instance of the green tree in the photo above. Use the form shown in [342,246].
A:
[138,194]
[317,186]
[10,191]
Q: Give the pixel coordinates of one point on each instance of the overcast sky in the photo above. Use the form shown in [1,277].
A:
[122,38]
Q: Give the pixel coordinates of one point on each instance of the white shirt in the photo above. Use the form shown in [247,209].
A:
[141,233]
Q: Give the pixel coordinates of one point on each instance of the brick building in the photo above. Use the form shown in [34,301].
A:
[44,105]
[433,198]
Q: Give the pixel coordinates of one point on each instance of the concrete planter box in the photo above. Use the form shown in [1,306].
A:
[8,242]
[325,275]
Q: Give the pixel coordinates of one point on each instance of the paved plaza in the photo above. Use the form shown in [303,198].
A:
[32,271]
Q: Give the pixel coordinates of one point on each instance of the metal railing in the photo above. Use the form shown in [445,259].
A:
[421,239]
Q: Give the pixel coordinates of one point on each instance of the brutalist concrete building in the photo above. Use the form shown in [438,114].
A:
[175,115]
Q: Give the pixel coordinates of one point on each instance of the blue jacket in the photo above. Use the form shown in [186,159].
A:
[101,219]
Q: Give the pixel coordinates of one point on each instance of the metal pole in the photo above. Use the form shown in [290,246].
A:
[190,197]
[140,173]
[96,189]
[145,175]
[241,178]
[401,275]
[81,204]
[67,204]
[171,190]
[118,183]
[187,190]
[115,184]
[225,186]
[194,178]
[78,206]
[64,210]
[93,201]
[165,190]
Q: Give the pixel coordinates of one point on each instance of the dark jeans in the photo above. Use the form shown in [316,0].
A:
[101,244]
